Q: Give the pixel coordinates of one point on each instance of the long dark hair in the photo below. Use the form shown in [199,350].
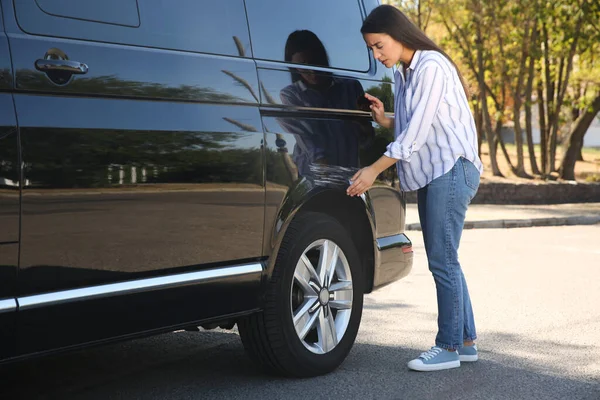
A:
[389,20]
[307,42]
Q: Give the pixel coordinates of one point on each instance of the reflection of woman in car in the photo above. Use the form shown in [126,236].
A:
[436,153]
[324,141]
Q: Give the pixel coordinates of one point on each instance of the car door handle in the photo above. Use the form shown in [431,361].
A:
[73,67]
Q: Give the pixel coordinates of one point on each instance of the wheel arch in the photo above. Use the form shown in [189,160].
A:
[354,213]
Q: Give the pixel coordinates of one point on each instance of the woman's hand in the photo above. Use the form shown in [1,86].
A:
[378,112]
[362,181]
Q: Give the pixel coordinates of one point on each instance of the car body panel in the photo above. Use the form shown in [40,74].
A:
[133,173]
[10,189]
[150,190]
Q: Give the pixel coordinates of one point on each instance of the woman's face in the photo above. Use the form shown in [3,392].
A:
[385,49]
[307,75]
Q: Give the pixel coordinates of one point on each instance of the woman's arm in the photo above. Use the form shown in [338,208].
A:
[428,95]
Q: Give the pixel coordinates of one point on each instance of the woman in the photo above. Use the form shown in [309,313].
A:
[435,151]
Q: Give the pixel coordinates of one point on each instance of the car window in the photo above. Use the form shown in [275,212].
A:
[274,24]
[118,12]
[216,27]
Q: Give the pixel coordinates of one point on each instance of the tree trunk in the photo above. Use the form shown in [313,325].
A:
[567,168]
[553,116]
[489,132]
[517,102]
[549,101]
[528,100]
[563,83]
[483,93]
[520,168]
[498,140]
[503,147]
[542,120]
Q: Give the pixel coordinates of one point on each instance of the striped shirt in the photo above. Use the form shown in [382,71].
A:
[434,125]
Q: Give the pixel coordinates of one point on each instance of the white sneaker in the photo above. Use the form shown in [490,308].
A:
[468,353]
[435,359]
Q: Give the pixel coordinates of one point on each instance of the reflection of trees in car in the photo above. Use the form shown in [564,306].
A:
[113,85]
[321,140]
[9,158]
[168,157]
[100,158]
[277,162]
[5,78]
[383,136]
[384,93]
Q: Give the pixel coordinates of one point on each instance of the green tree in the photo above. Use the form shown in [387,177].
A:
[518,54]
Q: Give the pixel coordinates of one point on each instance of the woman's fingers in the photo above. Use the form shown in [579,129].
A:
[357,188]
[354,185]
[376,107]
[352,188]
[377,114]
[374,100]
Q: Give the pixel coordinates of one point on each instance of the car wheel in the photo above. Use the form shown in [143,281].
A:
[313,303]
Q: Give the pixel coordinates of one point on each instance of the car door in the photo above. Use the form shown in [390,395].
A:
[9,201]
[314,69]
[144,205]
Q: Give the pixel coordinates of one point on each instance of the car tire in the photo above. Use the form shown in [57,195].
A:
[310,318]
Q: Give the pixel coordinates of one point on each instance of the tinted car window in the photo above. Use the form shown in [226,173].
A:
[217,27]
[335,22]
[118,12]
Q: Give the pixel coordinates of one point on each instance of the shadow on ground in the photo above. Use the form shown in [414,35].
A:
[211,365]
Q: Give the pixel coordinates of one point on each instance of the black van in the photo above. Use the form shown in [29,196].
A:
[166,165]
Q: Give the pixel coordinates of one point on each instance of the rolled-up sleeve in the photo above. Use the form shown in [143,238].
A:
[428,94]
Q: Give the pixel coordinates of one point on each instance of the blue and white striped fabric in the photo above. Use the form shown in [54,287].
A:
[434,125]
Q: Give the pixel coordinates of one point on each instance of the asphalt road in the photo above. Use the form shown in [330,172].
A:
[536,295]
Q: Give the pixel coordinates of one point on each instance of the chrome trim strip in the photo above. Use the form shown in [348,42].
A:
[8,305]
[393,241]
[137,286]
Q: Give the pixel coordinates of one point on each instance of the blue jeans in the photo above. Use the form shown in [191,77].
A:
[442,207]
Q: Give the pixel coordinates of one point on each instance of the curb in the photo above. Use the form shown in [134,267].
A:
[523,223]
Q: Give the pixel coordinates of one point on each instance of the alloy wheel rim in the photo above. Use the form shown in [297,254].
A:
[321,296]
